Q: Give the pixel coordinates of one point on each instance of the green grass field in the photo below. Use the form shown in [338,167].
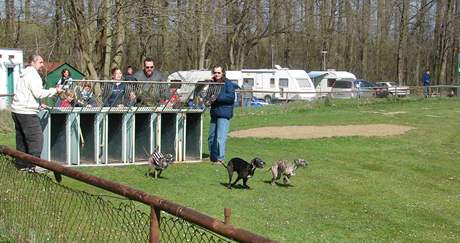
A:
[395,188]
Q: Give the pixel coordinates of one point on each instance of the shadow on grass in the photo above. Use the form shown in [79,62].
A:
[237,186]
[279,184]
[205,156]
[153,177]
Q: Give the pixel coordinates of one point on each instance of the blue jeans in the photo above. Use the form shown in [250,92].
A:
[217,138]
[426,90]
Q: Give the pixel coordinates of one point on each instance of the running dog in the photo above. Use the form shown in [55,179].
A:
[244,169]
[158,163]
[285,169]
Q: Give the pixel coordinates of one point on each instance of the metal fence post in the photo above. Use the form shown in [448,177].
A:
[155,215]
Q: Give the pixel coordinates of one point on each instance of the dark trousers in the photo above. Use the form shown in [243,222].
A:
[29,137]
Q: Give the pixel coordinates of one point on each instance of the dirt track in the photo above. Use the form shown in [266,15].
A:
[304,132]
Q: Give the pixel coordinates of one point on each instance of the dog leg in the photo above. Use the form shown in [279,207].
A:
[237,179]
[285,180]
[245,180]
[274,174]
[159,173]
[230,175]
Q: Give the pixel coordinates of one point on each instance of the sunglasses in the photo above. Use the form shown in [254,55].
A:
[216,72]
[148,67]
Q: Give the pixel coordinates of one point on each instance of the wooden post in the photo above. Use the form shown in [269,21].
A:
[155,215]
[227,215]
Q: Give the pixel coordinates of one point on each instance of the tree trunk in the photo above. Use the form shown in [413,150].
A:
[402,40]
[58,29]
[10,14]
[27,16]
[366,18]
[108,39]
[206,20]
[120,33]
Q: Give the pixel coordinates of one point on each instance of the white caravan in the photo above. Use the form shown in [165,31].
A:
[279,84]
[195,76]
[11,64]
[324,80]
[268,84]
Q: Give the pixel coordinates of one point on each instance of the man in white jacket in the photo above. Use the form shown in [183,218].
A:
[24,109]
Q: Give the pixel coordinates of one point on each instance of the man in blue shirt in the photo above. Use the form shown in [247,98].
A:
[426,80]
[221,113]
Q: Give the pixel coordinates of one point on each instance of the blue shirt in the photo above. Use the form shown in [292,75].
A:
[222,107]
[426,79]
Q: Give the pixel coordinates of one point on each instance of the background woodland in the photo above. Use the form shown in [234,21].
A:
[379,40]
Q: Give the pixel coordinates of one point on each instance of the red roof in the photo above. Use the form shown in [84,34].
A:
[50,66]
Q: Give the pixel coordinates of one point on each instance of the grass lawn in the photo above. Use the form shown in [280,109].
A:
[395,188]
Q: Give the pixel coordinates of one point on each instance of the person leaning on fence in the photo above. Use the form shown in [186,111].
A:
[131,100]
[116,91]
[66,79]
[65,82]
[426,81]
[221,113]
[148,73]
[85,96]
[24,110]
[67,99]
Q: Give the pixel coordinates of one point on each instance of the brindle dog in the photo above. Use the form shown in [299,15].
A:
[244,169]
[158,163]
[285,169]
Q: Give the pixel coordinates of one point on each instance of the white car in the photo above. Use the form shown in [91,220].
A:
[395,89]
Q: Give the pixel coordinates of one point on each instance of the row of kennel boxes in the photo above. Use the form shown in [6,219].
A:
[114,137]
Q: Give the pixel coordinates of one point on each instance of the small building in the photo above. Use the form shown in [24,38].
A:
[11,65]
[52,72]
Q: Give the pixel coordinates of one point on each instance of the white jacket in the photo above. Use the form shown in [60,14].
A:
[27,91]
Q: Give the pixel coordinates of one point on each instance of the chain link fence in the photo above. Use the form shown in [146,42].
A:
[93,95]
[34,208]
[253,98]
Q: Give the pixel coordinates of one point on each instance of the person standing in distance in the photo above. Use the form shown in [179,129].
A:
[24,109]
[426,81]
[221,113]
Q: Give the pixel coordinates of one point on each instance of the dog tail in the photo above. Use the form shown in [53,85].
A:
[222,163]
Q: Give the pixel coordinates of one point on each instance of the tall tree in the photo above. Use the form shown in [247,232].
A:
[120,33]
[402,39]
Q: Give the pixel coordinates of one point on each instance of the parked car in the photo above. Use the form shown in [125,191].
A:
[371,89]
[394,88]
[357,89]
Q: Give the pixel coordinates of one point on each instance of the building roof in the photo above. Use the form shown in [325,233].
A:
[48,67]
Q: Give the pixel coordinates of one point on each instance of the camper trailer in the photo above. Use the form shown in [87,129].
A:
[325,80]
[11,64]
[279,84]
[195,76]
[268,84]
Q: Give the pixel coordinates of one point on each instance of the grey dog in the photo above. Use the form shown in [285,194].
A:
[285,169]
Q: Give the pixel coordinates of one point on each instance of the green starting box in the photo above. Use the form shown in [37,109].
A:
[100,136]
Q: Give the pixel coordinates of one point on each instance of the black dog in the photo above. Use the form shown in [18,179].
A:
[244,169]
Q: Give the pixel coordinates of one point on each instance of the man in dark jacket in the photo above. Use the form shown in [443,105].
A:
[221,113]
[426,80]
